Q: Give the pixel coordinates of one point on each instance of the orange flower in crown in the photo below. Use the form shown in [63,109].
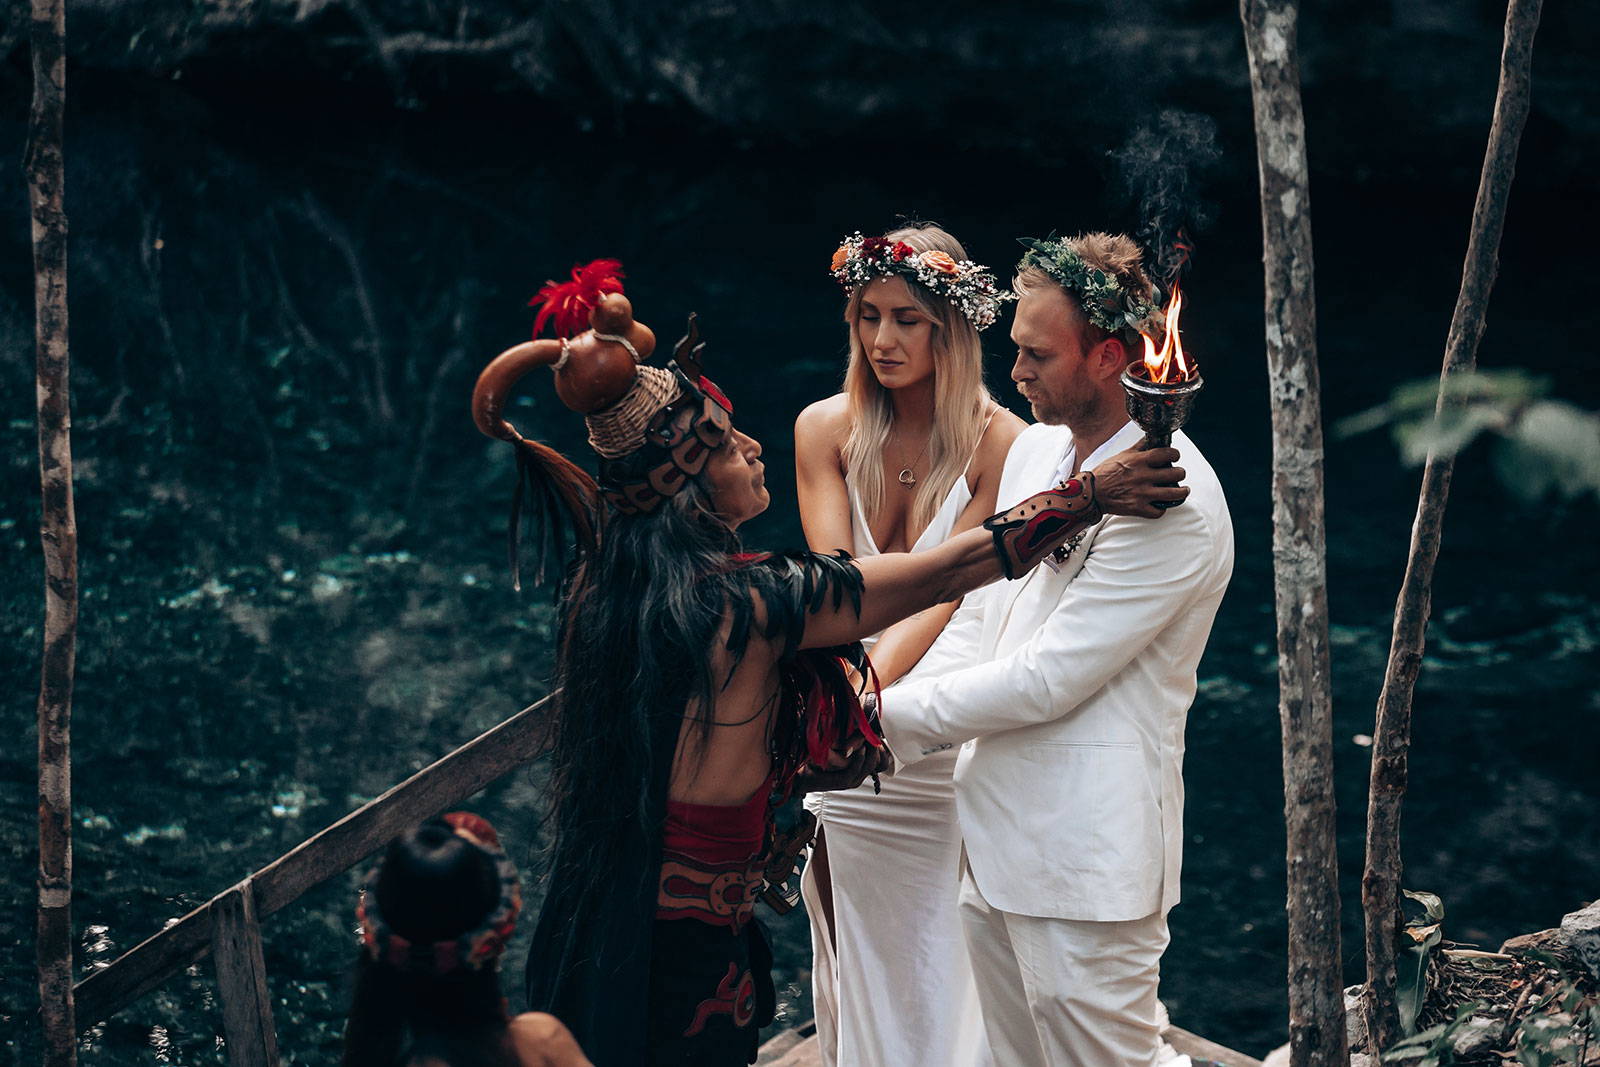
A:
[970,286]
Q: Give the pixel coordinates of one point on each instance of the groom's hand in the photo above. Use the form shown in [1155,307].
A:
[1130,483]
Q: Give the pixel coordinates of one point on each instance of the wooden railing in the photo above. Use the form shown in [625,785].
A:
[228,925]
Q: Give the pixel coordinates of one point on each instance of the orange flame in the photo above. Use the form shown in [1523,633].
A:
[1168,365]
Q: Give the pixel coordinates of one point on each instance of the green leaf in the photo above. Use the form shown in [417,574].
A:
[1553,447]
[1452,431]
[1505,391]
[1432,906]
[1423,1039]
[1416,944]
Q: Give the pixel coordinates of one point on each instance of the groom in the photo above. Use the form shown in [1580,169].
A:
[1070,701]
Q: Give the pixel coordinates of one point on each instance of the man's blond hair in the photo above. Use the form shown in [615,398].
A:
[1115,253]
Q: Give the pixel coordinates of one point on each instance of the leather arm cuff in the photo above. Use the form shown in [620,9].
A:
[1025,534]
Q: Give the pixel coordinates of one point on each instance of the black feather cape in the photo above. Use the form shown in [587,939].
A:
[589,964]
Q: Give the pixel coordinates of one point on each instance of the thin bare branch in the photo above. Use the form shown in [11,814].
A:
[58,532]
[1380,881]
[339,236]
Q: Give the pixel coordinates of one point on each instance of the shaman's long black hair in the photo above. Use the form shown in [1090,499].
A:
[634,653]
[642,613]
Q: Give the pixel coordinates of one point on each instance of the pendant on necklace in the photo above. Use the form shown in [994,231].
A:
[907,478]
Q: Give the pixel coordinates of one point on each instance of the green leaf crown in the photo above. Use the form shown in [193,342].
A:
[1107,304]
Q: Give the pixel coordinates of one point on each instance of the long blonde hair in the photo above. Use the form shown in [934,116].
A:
[959,395]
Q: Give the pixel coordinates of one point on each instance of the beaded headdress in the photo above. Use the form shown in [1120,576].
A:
[970,286]
[1106,303]
[469,951]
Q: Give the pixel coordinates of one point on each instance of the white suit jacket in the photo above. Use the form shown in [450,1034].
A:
[1068,690]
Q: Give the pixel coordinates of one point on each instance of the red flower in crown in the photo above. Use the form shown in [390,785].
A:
[900,251]
[474,828]
[874,247]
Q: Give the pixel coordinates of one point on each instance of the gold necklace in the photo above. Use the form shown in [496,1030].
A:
[908,476]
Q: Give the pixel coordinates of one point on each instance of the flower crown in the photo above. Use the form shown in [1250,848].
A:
[472,950]
[970,286]
[1107,304]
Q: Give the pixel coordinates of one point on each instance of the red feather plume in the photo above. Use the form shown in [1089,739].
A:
[569,303]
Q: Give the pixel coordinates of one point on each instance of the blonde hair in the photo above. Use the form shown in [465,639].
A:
[959,395]
[1118,255]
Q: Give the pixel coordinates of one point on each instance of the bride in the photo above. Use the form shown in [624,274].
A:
[909,453]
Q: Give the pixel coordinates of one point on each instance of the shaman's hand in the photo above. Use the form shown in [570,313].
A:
[845,770]
[1130,483]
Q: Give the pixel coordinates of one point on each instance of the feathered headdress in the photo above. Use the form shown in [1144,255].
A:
[569,303]
[654,427]
[592,371]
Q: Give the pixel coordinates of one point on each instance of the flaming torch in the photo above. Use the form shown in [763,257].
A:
[1161,387]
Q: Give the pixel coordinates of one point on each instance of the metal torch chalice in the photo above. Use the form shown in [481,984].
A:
[1159,408]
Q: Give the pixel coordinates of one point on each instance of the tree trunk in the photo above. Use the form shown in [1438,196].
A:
[1316,1001]
[57,532]
[1380,883]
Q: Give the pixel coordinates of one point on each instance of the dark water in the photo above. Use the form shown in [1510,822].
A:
[291,537]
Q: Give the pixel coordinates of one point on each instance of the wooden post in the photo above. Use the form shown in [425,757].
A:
[242,979]
[1316,1002]
[57,531]
[1380,882]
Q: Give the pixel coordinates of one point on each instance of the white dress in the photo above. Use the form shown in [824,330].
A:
[894,986]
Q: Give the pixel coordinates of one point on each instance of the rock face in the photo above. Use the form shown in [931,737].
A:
[1541,939]
[1580,934]
[1392,89]
[1355,1020]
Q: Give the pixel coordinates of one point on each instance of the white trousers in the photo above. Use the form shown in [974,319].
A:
[1063,993]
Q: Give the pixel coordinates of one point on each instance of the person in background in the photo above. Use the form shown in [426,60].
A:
[435,916]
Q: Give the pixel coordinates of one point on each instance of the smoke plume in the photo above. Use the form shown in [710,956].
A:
[1162,169]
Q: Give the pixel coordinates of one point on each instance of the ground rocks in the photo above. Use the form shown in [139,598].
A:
[1476,1036]
[1580,935]
[1279,1057]
[1355,1020]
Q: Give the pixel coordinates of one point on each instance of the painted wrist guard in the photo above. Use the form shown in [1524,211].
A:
[1033,529]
